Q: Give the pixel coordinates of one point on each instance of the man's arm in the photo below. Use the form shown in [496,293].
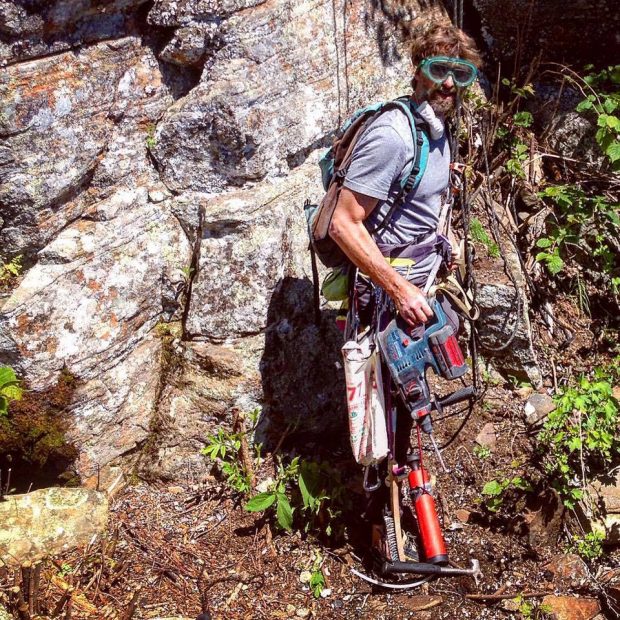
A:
[348,231]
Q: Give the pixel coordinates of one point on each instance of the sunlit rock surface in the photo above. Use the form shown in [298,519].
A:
[49,521]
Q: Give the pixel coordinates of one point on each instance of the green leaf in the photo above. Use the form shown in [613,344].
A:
[613,151]
[284,513]
[317,583]
[7,375]
[544,242]
[260,502]
[523,119]
[12,392]
[584,106]
[492,488]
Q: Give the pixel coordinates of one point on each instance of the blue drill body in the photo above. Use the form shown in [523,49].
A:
[408,358]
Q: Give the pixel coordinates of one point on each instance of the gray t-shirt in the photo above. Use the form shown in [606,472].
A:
[381,157]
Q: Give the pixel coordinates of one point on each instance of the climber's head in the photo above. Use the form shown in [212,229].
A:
[444,59]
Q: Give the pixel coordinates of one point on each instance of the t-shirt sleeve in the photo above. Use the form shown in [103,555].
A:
[378,160]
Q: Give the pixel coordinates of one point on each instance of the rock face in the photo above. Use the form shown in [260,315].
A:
[526,28]
[507,336]
[154,163]
[152,170]
[49,521]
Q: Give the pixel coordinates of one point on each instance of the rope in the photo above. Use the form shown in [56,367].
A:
[493,220]
[345,52]
[335,24]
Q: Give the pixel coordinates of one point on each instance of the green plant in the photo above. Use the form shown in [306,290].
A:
[479,234]
[495,490]
[317,578]
[65,569]
[531,610]
[579,437]
[187,272]
[151,140]
[602,102]
[10,270]
[518,157]
[223,447]
[523,119]
[309,489]
[520,92]
[276,496]
[9,388]
[580,223]
[482,452]
[590,546]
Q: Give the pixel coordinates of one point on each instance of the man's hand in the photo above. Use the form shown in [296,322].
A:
[412,305]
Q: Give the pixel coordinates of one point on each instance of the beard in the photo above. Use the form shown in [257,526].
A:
[442,101]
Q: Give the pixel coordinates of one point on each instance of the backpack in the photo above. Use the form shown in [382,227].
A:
[334,166]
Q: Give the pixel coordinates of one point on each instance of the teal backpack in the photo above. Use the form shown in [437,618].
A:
[334,166]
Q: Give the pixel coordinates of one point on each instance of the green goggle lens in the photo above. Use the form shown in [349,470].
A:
[438,68]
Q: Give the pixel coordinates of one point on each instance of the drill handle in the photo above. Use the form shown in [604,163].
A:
[465,393]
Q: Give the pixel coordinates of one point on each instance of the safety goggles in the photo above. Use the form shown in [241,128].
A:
[438,68]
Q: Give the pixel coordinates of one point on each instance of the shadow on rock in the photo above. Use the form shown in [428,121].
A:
[302,377]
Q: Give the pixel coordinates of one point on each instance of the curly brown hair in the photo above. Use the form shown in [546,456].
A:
[444,39]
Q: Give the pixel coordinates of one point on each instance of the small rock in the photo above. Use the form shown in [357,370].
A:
[568,570]
[510,604]
[421,602]
[325,592]
[463,515]
[338,604]
[537,408]
[571,608]
[157,196]
[305,576]
[524,392]
[290,609]
[302,612]
[48,521]
[610,580]
[4,614]
[486,437]
[176,490]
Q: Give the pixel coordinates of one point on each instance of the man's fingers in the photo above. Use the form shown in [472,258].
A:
[420,315]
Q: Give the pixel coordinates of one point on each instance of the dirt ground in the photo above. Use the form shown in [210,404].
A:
[185,549]
[188,548]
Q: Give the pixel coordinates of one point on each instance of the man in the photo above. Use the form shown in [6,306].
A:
[445,59]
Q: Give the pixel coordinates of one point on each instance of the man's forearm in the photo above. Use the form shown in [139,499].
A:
[348,231]
[354,240]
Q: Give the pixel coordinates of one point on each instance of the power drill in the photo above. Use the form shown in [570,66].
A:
[408,358]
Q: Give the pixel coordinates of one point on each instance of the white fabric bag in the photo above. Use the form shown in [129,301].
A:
[365,402]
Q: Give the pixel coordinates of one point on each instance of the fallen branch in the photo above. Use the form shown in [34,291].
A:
[502,597]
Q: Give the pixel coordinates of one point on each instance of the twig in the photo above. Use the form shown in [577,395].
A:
[62,601]
[34,600]
[133,603]
[502,597]
[244,451]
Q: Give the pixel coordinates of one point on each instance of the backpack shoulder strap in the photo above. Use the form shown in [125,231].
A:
[412,178]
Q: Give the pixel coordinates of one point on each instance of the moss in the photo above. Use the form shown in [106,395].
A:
[33,439]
